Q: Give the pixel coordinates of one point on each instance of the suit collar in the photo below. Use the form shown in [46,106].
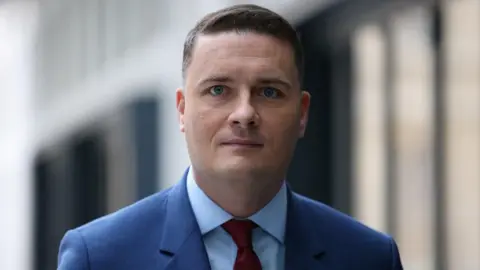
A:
[209,215]
[182,240]
[272,218]
[304,246]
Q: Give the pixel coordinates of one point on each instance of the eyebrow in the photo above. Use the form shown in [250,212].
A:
[275,81]
[265,80]
[216,79]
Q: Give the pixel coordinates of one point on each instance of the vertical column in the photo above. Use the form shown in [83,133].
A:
[17,20]
[341,124]
[101,11]
[144,125]
[413,137]
[462,102]
[120,161]
[89,12]
[440,259]
[369,204]
[121,20]
[111,27]
[389,123]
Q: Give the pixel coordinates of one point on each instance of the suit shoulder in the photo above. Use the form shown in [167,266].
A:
[348,239]
[134,217]
[344,225]
[138,225]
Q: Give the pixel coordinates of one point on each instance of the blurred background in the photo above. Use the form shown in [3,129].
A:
[88,122]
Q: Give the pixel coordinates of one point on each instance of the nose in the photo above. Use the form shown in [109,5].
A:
[244,114]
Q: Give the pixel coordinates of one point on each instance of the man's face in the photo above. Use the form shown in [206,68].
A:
[242,110]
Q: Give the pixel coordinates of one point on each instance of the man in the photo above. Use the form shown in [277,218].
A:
[242,112]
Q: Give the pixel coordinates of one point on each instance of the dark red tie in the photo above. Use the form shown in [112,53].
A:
[241,232]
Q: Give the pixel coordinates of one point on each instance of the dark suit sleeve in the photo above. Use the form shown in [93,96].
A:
[73,253]
[396,261]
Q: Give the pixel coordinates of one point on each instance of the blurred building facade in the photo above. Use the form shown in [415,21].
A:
[393,138]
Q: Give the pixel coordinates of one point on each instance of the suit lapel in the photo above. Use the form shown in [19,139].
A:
[182,243]
[304,249]
[182,246]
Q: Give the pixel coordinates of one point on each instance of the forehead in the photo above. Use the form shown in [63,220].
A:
[242,54]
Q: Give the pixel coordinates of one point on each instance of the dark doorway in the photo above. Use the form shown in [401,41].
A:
[69,191]
[89,177]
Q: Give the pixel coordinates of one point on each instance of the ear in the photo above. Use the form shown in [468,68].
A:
[180,100]
[304,107]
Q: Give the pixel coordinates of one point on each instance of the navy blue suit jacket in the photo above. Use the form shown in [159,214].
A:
[161,232]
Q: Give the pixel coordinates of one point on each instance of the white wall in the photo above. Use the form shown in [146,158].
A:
[16,28]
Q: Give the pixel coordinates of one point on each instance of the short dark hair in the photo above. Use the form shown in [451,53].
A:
[245,18]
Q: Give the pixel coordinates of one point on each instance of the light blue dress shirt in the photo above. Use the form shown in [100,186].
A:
[268,238]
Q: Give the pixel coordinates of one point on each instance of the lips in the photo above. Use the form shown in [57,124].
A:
[242,143]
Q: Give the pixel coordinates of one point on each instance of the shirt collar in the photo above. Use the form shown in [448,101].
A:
[272,218]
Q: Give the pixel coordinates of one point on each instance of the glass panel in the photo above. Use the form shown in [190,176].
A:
[462,99]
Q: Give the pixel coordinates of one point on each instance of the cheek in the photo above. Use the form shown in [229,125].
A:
[282,129]
[281,122]
[202,126]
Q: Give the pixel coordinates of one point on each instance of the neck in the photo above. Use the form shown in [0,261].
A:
[241,197]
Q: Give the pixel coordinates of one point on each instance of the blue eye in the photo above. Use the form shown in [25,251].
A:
[270,92]
[217,90]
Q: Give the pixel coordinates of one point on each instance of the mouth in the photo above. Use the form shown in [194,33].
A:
[242,144]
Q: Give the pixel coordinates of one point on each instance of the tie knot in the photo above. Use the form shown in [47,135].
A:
[241,231]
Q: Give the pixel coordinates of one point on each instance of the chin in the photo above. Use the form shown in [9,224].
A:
[239,166]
